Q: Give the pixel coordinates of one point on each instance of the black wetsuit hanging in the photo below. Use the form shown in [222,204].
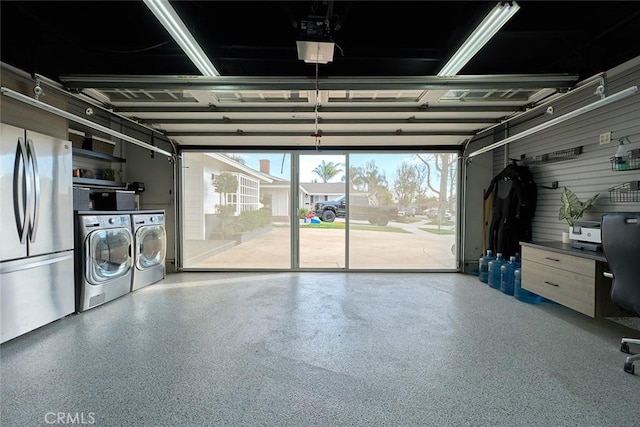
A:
[513,209]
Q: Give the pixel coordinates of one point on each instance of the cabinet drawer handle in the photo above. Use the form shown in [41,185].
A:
[608,275]
[552,259]
[552,284]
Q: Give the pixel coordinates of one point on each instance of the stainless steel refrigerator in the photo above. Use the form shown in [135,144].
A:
[36,219]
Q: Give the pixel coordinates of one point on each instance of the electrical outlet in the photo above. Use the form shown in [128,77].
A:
[605,138]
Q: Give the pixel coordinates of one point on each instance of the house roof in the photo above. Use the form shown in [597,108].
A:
[240,167]
[323,188]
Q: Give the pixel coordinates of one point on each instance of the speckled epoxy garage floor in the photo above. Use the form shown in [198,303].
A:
[323,349]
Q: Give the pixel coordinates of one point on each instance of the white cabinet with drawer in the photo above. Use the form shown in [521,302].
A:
[575,281]
[565,279]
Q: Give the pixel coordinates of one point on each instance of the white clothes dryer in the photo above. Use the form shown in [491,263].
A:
[150,247]
[104,258]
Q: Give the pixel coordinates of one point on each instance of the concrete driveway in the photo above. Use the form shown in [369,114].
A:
[325,248]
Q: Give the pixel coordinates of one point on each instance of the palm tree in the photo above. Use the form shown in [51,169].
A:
[368,177]
[326,171]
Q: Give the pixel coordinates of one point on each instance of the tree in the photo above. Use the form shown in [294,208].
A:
[442,166]
[326,171]
[368,178]
[406,185]
[235,156]
[421,177]
[225,184]
[358,181]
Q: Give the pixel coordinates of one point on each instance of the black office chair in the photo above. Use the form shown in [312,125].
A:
[621,245]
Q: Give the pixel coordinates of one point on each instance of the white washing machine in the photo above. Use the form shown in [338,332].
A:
[104,258]
[150,248]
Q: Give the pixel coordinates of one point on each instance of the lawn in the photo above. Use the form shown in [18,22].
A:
[440,231]
[340,225]
[444,223]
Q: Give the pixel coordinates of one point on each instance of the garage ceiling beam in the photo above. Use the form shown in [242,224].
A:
[230,83]
[181,109]
[326,148]
[297,121]
[360,134]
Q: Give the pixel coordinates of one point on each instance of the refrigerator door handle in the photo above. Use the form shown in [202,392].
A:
[34,212]
[21,189]
[10,267]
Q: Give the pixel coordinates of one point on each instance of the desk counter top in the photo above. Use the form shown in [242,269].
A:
[566,248]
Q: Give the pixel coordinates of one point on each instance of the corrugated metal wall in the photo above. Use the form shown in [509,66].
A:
[591,172]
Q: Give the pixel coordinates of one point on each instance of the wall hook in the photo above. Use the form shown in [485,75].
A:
[554,185]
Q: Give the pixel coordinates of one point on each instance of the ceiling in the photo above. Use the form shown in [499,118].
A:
[379,90]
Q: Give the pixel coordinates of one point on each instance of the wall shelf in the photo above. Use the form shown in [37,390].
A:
[625,192]
[94,182]
[97,162]
[556,156]
[80,152]
[633,162]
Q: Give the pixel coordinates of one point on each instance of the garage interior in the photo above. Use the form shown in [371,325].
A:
[332,346]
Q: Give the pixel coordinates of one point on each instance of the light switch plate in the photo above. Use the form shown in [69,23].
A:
[605,138]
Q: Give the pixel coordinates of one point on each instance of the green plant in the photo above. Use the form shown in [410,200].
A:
[250,220]
[226,214]
[109,174]
[225,184]
[572,208]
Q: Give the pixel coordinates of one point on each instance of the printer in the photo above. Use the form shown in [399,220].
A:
[586,235]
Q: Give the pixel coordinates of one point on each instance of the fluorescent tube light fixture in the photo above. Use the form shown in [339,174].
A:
[489,26]
[176,28]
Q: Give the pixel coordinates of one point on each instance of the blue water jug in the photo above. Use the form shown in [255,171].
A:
[518,262]
[494,271]
[523,294]
[484,266]
[507,276]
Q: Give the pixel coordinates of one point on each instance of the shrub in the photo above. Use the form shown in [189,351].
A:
[250,220]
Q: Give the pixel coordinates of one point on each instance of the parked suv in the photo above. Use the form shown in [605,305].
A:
[361,207]
[409,212]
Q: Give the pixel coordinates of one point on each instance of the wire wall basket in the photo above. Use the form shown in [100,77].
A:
[626,192]
[633,161]
[556,156]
